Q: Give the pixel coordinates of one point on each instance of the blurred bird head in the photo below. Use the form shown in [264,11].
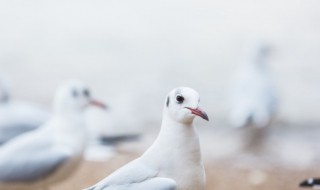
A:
[182,105]
[74,96]
[261,51]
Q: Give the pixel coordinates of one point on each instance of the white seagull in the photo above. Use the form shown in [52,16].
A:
[17,117]
[313,183]
[52,152]
[253,98]
[174,161]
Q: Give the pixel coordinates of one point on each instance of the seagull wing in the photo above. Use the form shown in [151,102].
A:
[29,157]
[132,176]
[8,132]
[17,118]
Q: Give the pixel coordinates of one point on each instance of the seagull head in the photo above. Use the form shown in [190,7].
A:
[182,105]
[262,49]
[260,53]
[75,96]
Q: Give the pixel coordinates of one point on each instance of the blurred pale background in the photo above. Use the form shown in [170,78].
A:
[133,52]
[142,49]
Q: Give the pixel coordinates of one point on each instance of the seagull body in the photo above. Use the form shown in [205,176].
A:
[17,117]
[253,98]
[35,159]
[174,161]
[52,152]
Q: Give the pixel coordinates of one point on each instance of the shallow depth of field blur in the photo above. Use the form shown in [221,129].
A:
[132,53]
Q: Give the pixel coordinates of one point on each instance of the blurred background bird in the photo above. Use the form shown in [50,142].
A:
[17,117]
[51,153]
[253,99]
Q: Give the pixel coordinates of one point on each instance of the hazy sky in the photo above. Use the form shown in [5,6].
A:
[137,51]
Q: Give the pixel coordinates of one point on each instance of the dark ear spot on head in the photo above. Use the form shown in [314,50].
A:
[168,101]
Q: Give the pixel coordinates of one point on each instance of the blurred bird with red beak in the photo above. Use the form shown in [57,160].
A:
[52,152]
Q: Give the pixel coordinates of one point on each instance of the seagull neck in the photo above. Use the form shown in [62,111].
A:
[170,123]
[175,140]
[175,133]
[72,113]
[69,130]
[259,62]
[69,118]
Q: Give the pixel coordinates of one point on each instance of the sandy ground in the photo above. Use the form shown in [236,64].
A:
[220,175]
[275,164]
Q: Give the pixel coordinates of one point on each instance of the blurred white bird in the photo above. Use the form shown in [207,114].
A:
[52,152]
[253,98]
[17,117]
[313,183]
[174,161]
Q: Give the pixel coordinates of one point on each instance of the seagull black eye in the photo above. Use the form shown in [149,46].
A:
[86,93]
[180,99]
[75,93]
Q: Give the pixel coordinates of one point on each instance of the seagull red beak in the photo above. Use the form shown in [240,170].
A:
[199,113]
[98,104]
